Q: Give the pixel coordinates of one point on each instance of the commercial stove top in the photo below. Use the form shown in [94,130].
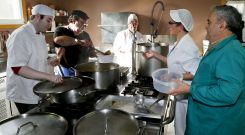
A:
[74,112]
[140,85]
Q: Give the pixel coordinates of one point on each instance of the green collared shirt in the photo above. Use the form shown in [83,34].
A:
[216,104]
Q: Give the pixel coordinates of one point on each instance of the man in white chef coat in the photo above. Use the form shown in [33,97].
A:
[28,59]
[122,46]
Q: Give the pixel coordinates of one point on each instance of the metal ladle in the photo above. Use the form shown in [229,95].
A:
[103,53]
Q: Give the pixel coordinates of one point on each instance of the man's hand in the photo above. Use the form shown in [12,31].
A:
[86,43]
[53,61]
[55,78]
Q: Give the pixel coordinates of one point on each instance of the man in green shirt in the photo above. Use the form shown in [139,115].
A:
[217,94]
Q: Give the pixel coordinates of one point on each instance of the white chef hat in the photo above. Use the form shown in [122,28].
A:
[184,17]
[132,17]
[43,10]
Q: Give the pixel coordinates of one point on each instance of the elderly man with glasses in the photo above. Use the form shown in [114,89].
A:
[122,46]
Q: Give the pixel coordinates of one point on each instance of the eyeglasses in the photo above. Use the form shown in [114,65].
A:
[85,23]
[171,23]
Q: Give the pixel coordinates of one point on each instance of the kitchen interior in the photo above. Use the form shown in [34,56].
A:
[106,18]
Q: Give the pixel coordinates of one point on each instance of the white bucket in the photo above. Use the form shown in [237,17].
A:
[164,81]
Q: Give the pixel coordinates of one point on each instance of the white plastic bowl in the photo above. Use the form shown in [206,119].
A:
[105,58]
[164,81]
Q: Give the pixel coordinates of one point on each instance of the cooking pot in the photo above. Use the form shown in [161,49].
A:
[34,124]
[106,122]
[146,67]
[106,75]
[72,90]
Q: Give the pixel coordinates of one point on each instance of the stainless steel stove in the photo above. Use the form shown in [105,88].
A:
[128,89]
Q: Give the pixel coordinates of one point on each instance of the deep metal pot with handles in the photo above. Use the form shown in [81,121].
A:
[146,67]
[72,91]
[106,75]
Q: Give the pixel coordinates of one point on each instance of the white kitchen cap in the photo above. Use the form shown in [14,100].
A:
[184,17]
[43,10]
[132,17]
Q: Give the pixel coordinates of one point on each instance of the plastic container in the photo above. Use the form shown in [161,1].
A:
[164,81]
[105,58]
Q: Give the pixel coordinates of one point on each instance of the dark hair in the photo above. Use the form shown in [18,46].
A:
[76,15]
[232,17]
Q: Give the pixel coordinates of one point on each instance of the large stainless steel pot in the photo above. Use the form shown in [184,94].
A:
[73,90]
[146,67]
[34,124]
[107,122]
[106,75]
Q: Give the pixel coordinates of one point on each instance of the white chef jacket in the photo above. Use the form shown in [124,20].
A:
[25,48]
[122,47]
[183,57]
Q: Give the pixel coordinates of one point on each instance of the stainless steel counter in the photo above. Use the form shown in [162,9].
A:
[3,65]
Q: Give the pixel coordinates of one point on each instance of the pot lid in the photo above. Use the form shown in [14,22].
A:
[34,124]
[107,121]
[47,87]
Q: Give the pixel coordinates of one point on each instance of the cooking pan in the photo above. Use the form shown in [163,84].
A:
[73,90]
[34,124]
[106,122]
[106,75]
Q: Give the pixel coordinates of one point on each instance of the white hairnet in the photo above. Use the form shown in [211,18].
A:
[184,17]
[132,17]
[43,10]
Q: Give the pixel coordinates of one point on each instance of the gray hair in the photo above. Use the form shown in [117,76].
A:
[231,16]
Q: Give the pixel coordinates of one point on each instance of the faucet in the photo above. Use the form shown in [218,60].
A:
[154,31]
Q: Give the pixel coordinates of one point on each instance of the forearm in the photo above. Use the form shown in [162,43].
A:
[160,57]
[65,41]
[60,52]
[30,73]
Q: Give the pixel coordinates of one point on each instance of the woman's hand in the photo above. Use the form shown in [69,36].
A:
[182,88]
[148,54]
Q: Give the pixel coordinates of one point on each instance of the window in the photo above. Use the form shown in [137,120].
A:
[239,5]
[12,13]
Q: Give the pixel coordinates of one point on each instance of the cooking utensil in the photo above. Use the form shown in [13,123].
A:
[107,122]
[106,75]
[146,67]
[103,53]
[155,102]
[47,87]
[34,124]
[127,104]
[70,92]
